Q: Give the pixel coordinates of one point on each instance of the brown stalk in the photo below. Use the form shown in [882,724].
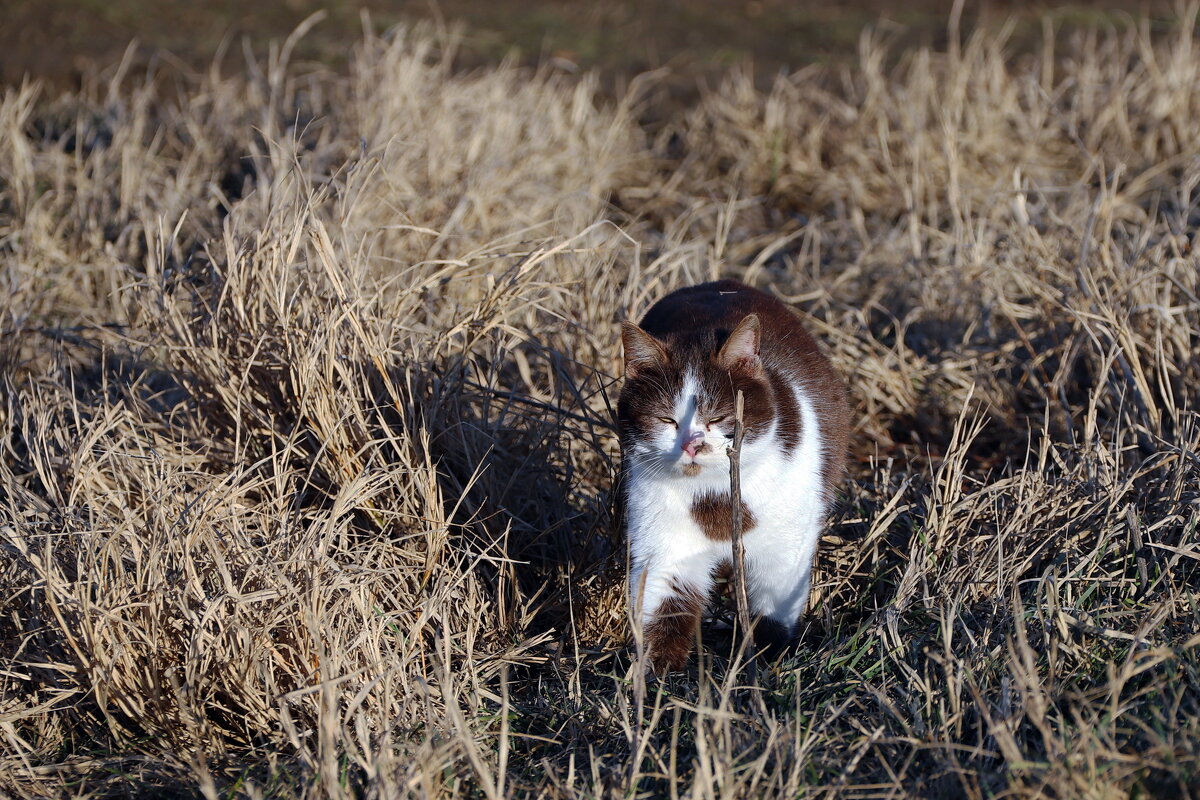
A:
[735,504]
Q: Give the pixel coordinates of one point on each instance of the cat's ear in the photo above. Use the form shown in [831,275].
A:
[740,351]
[642,351]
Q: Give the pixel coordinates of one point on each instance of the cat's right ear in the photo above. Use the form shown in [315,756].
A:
[740,351]
[642,351]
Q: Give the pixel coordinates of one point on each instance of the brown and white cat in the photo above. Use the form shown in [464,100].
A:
[683,366]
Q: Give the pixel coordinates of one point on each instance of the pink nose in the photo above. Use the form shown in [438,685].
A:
[693,443]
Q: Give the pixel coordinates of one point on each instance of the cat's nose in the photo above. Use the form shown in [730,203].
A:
[693,443]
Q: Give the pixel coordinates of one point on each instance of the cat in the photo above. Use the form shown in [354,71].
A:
[683,366]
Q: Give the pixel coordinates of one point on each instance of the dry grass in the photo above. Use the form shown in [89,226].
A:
[306,453]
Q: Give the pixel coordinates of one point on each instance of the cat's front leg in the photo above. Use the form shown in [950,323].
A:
[778,582]
[668,601]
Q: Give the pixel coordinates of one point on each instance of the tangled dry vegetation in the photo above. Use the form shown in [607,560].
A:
[305,433]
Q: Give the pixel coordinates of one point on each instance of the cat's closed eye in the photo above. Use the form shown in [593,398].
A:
[669,421]
[715,420]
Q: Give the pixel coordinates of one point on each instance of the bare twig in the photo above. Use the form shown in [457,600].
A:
[735,504]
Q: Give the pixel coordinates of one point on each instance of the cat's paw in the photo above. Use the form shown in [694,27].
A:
[668,655]
[772,638]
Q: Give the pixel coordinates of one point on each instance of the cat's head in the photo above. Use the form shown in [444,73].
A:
[676,410]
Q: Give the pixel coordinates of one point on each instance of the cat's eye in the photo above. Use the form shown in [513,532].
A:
[669,421]
[715,420]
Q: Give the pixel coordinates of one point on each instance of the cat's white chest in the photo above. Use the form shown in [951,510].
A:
[660,517]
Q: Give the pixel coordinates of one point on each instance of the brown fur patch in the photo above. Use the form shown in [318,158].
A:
[714,514]
[672,628]
[787,413]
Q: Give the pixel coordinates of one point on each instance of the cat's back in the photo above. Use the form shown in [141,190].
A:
[706,306]
[706,314]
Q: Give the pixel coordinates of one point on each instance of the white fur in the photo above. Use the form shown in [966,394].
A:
[784,492]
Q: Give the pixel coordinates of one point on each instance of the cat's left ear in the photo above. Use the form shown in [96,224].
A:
[642,351]
[740,351]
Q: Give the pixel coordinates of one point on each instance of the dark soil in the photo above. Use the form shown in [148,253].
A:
[61,41]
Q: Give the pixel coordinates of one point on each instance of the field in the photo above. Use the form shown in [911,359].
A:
[306,444]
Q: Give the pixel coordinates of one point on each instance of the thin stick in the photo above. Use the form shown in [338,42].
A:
[735,505]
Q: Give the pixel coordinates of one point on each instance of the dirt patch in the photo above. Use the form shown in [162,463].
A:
[60,41]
